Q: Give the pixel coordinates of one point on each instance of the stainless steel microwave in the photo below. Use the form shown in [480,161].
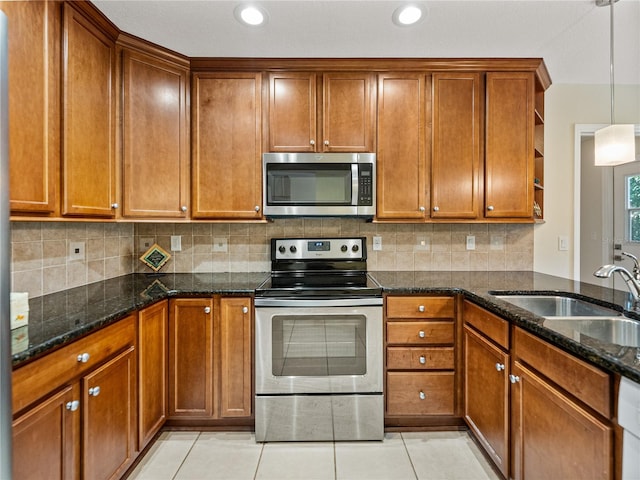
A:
[319,184]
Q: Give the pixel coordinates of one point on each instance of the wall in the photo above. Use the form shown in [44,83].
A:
[40,263]
[565,106]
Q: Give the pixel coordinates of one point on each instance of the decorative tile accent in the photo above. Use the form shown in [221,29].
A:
[155,257]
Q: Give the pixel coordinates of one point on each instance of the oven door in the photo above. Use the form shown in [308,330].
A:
[322,347]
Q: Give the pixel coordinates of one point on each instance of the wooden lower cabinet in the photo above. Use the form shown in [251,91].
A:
[420,393]
[553,436]
[153,358]
[486,399]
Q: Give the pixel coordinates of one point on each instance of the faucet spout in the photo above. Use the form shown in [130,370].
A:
[632,284]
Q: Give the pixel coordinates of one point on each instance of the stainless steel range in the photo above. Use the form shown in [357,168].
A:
[318,356]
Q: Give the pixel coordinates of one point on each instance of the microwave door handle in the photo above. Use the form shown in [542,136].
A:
[354,184]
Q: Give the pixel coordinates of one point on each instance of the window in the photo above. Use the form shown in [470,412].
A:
[632,205]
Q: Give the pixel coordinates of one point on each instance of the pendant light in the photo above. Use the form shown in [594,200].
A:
[615,144]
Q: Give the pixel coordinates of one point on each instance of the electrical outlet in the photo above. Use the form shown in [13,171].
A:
[145,243]
[471,242]
[176,243]
[76,251]
[219,244]
[422,242]
[377,243]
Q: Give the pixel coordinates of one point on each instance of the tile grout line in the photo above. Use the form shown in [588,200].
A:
[409,455]
[186,455]
[335,463]
[255,475]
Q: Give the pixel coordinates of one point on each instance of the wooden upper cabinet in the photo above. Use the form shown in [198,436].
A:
[348,114]
[88,151]
[155,137]
[403,139]
[343,120]
[34,105]
[455,160]
[227,145]
[509,155]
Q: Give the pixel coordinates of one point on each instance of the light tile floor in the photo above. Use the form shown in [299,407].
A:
[237,456]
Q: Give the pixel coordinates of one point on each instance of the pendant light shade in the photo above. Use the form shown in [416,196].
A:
[615,144]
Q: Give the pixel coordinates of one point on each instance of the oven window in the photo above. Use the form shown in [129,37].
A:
[309,184]
[318,345]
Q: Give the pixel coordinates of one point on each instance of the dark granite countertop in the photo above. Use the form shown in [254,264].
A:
[60,318]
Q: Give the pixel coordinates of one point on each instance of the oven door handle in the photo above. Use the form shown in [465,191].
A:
[324,302]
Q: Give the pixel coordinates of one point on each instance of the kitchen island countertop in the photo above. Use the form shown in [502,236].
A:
[59,318]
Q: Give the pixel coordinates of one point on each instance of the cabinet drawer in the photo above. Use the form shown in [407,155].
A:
[420,307]
[407,358]
[586,382]
[38,378]
[420,393]
[490,325]
[420,333]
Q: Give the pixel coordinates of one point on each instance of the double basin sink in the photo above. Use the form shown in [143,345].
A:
[575,318]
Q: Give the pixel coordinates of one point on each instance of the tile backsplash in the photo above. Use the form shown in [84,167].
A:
[41,263]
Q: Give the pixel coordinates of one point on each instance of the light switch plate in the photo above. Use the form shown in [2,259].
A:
[377,243]
[471,242]
[176,243]
[563,243]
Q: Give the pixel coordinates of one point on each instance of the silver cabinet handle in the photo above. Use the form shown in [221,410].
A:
[183,208]
[499,366]
[73,405]
[326,142]
[421,334]
[435,209]
[207,310]
[514,378]
[422,395]
[257,208]
[114,205]
[423,360]
[312,142]
[421,308]
[490,208]
[83,357]
[422,209]
[94,391]
[245,309]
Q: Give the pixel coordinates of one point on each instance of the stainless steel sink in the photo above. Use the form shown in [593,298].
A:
[558,306]
[618,330]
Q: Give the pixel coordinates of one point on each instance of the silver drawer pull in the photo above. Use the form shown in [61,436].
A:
[421,334]
[245,309]
[73,405]
[94,391]
[423,360]
[499,366]
[422,395]
[514,378]
[421,308]
[83,357]
[207,310]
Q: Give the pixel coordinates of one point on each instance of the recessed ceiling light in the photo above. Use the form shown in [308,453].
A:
[407,15]
[250,15]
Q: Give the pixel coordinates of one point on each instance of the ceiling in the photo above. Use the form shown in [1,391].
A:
[571,35]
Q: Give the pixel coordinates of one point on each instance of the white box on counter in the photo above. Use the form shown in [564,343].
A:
[19,309]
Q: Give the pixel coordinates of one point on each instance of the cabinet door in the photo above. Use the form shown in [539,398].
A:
[88,158]
[486,396]
[155,146]
[403,105]
[34,104]
[348,120]
[509,156]
[292,112]
[109,417]
[153,355]
[554,437]
[191,357]
[236,359]
[46,438]
[420,393]
[227,146]
[455,159]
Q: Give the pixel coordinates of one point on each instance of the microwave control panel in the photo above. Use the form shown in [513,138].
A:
[365,184]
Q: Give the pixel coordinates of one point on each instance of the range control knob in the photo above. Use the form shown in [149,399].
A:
[343,248]
[355,248]
[293,249]
[281,249]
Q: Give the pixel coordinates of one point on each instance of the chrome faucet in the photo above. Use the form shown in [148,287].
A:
[632,284]
[636,266]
